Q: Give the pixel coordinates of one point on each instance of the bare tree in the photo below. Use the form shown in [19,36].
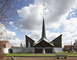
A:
[7,13]
[7,10]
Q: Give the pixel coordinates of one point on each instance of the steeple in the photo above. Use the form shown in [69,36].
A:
[43,37]
[43,30]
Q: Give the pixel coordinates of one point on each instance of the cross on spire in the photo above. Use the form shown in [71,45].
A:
[43,11]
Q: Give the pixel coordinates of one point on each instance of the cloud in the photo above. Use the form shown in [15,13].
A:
[31,15]
[70,25]
[6,34]
[16,42]
[11,23]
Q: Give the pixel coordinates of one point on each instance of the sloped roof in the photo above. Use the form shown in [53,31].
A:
[57,42]
[45,41]
[3,42]
[29,38]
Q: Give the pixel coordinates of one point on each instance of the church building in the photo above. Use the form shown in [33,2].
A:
[43,45]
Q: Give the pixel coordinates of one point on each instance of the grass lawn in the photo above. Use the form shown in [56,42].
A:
[73,55]
[27,54]
[66,53]
[24,54]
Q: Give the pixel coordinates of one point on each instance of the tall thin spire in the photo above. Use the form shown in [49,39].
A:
[43,37]
[43,30]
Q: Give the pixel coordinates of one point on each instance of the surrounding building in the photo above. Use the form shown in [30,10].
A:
[68,48]
[5,46]
[75,45]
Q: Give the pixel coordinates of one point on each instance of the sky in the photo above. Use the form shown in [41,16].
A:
[60,18]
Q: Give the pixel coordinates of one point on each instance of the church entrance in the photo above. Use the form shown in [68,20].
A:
[48,50]
[43,50]
[38,50]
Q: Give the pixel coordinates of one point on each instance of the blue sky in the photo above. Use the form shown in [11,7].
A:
[61,18]
[20,5]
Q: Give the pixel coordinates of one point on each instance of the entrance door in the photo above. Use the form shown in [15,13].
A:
[10,51]
[38,50]
[48,50]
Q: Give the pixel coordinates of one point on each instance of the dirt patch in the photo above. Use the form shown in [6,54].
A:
[44,58]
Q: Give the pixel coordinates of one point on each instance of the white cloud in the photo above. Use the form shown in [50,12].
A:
[11,23]
[6,34]
[16,42]
[75,4]
[70,25]
[31,15]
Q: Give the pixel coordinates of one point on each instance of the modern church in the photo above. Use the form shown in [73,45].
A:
[42,45]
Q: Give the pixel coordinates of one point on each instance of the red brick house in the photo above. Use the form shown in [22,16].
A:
[68,48]
[5,45]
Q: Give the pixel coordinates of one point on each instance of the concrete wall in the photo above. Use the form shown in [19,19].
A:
[23,50]
[29,50]
[6,50]
[17,50]
[57,50]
